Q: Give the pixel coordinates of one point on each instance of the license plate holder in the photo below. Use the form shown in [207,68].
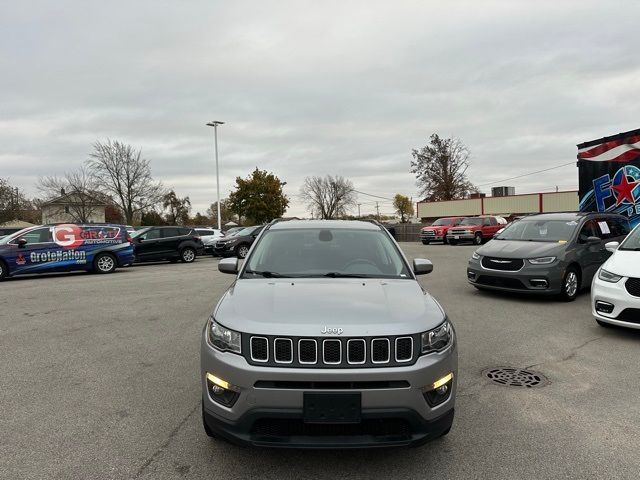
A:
[456,237]
[332,407]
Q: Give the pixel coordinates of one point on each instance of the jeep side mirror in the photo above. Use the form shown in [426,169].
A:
[422,266]
[593,240]
[612,246]
[228,265]
[21,242]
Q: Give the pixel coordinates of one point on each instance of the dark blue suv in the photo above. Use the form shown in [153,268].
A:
[100,248]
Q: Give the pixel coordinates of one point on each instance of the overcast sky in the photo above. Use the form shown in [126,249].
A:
[314,88]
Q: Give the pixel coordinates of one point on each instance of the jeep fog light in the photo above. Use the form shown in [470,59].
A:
[438,391]
[221,391]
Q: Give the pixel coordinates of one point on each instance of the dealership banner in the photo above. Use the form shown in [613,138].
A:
[609,175]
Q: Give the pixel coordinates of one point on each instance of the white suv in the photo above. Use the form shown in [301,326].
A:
[209,237]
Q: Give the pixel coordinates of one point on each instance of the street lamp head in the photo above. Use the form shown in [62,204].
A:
[214,123]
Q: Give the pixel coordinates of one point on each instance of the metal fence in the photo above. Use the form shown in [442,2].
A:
[407,232]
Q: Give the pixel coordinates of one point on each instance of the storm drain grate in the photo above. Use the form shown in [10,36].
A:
[515,377]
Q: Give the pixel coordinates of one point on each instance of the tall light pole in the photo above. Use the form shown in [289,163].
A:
[215,124]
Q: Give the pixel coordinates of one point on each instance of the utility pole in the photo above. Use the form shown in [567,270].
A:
[215,124]
[359,210]
[378,210]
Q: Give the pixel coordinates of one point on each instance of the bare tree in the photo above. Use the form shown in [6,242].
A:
[120,171]
[80,191]
[440,168]
[328,197]
[13,203]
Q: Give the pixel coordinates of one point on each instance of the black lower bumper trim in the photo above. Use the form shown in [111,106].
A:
[286,429]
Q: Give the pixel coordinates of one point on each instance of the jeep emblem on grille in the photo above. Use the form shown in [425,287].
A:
[331,331]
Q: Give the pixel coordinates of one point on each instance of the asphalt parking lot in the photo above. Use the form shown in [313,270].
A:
[100,380]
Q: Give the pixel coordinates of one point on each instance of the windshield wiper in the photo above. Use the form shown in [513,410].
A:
[344,275]
[267,274]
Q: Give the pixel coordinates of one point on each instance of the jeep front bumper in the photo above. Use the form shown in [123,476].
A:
[269,408]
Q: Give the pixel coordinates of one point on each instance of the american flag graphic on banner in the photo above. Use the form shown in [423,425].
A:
[618,150]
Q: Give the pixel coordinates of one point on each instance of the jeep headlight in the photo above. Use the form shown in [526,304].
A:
[223,339]
[608,276]
[542,260]
[437,339]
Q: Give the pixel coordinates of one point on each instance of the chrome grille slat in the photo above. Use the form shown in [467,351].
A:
[382,342]
[400,347]
[351,350]
[258,349]
[307,341]
[285,343]
[327,347]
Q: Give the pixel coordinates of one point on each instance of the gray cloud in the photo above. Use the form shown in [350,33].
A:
[344,88]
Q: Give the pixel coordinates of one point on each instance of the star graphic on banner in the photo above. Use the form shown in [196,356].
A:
[624,190]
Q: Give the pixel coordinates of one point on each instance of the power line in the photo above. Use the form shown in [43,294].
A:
[525,174]
[371,195]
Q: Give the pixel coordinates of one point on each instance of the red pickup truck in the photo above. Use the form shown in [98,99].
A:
[437,231]
[476,229]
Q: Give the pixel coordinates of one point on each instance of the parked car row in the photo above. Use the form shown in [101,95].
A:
[98,248]
[563,253]
[237,243]
[63,248]
[453,230]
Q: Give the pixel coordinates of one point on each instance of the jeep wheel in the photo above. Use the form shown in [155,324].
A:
[453,242]
[104,263]
[444,240]
[570,285]
[188,255]
[242,251]
[3,270]
[425,242]
[477,240]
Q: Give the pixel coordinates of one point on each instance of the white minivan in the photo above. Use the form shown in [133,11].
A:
[615,291]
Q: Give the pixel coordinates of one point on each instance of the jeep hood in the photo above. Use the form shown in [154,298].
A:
[302,307]
[520,249]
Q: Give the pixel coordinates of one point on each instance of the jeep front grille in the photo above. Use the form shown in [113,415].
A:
[332,352]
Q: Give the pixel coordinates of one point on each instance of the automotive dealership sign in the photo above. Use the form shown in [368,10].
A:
[609,175]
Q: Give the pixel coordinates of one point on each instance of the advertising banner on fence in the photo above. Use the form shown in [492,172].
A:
[609,175]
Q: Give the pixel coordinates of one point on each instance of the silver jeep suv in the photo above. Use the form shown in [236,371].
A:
[326,340]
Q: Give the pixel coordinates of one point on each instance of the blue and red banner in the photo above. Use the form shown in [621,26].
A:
[609,175]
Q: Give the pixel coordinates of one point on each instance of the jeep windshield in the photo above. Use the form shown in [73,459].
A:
[325,252]
[532,230]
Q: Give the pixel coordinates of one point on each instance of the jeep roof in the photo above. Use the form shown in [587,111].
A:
[358,224]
